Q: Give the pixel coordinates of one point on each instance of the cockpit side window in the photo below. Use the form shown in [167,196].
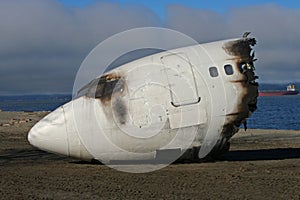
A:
[106,88]
[228,69]
[100,89]
[213,71]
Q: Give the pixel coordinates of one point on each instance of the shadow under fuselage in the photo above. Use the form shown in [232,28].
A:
[34,156]
[262,154]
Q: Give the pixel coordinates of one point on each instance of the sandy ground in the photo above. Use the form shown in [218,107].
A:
[262,164]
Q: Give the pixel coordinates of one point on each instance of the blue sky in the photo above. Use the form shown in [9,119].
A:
[159,6]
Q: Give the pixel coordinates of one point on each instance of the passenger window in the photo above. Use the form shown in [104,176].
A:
[213,71]
[228,69]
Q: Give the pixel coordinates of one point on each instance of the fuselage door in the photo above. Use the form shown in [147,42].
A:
[181,79]
[187,108]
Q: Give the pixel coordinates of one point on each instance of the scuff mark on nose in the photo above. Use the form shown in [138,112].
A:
[50,133]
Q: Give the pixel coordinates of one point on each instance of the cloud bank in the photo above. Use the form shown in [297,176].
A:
[42,42]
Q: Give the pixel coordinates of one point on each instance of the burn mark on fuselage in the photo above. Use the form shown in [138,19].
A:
[247,88]
[240,48]
[108,85]
[109,90]
[120,109]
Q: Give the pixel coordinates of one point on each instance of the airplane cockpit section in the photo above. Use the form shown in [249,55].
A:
[182,104]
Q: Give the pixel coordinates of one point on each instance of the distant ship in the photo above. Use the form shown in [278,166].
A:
[290,90]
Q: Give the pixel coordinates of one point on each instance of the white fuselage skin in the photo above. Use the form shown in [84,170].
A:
[177,99]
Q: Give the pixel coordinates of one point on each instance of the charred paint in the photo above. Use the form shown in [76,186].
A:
[246,86]
[108,86]
[240,48]
[120,109]
[245,106]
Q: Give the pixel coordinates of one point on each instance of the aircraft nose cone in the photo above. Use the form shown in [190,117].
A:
[50,133]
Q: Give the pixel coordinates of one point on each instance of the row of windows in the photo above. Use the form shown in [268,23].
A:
[213,71]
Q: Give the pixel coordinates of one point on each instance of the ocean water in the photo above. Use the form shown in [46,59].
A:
[33,102]
[281,112]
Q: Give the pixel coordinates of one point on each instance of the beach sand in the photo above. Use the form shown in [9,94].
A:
[262,164]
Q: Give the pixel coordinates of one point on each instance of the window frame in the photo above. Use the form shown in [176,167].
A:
[213,72]
[226,69]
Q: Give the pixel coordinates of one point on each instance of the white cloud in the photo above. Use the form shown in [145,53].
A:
[44,42]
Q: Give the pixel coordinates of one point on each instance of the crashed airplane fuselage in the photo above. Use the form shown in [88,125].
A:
[189,101]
